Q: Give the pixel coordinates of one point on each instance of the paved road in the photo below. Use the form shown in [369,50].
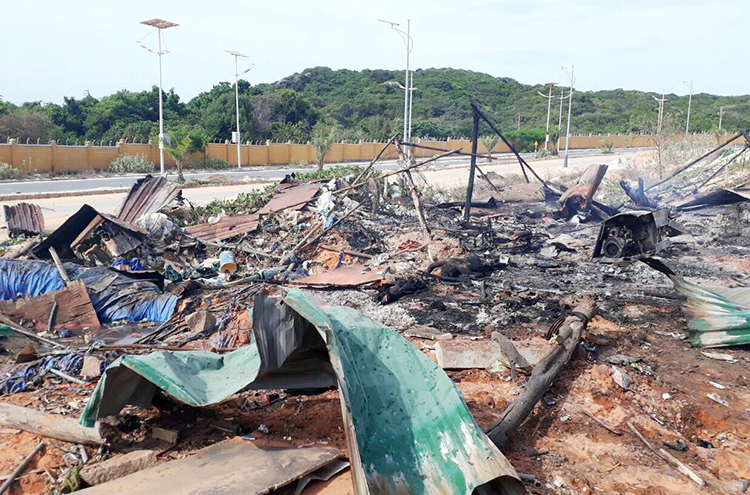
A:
[64,185]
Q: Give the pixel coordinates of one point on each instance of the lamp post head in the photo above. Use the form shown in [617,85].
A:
[159,23]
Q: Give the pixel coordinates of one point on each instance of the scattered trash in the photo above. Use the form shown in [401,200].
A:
[717,399]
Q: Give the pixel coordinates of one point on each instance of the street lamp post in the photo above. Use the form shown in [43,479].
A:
[660,118]
[690,101]
[549,107]
[409,43]
[159,24]
[570,106]
[237,75]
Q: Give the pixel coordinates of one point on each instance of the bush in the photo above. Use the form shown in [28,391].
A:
[335,172]
[131,164]
[523,139]
[607,146]
[211,163]
[7,171]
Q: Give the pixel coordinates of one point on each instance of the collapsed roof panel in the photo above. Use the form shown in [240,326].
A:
[24,218]
[402,412]
[148,195]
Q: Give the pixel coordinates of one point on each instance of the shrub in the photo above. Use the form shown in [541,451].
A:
[335,172]
[524,138]
[211,163]
[7,171]
[131,164]
[607,146]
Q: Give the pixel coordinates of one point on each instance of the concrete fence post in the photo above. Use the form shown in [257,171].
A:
[89,156]
[120,147]
[13,152]
[226,151]
[53,144]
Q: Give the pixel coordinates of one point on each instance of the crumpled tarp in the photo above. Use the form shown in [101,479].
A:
[408,428]
[717,316]
[115,296]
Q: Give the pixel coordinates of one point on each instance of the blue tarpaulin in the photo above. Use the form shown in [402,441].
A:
[115,296]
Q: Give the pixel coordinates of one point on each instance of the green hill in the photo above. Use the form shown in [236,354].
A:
[363,106]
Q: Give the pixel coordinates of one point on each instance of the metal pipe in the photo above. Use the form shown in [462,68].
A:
[161,113]
[570,106]
[237,108]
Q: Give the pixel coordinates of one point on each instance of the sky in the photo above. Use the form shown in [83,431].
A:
[55,49]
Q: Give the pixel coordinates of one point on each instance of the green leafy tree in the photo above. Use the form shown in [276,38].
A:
[286,132]
[323,137]
[182,143]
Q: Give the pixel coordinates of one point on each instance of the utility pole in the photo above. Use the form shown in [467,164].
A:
[570,107]
[690,101]
[237,75]
[721,114]
[409,43]
[518,123]
[549,107]
[660,119]
[159,24]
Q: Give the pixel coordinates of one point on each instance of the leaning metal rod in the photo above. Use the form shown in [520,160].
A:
[690,164]
[725,166]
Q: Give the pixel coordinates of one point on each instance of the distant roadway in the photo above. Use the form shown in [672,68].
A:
[262,173]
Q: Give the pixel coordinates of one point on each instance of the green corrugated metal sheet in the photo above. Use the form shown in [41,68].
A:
[717,316]
[408,428]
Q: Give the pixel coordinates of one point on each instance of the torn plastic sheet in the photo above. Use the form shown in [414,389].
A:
[408,429]
[717,316]
[114,295]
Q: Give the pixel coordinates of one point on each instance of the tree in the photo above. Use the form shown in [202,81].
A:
[489,142]
[323,137]
[184,142]
[285,132]
[28,124]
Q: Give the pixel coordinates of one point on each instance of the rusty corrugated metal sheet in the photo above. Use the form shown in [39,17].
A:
[288,197]
[79,226]
[24,218]
[148,195]
[294,197]
[225,228]
[350,275]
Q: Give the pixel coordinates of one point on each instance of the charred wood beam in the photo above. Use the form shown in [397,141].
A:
[521,161]
[516,361]
[544,373]
[637,195]
[414,193]
[472,166]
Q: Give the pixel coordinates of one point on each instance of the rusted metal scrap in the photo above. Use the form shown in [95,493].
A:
[718,197]
[636,233]
[81,225]
[72,309]
[225,228]
[294,197]
[24,218]
[580,195]
[148,195]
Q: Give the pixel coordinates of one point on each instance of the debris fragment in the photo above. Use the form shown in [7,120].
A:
[24,219]
[118,467]
[717,399]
